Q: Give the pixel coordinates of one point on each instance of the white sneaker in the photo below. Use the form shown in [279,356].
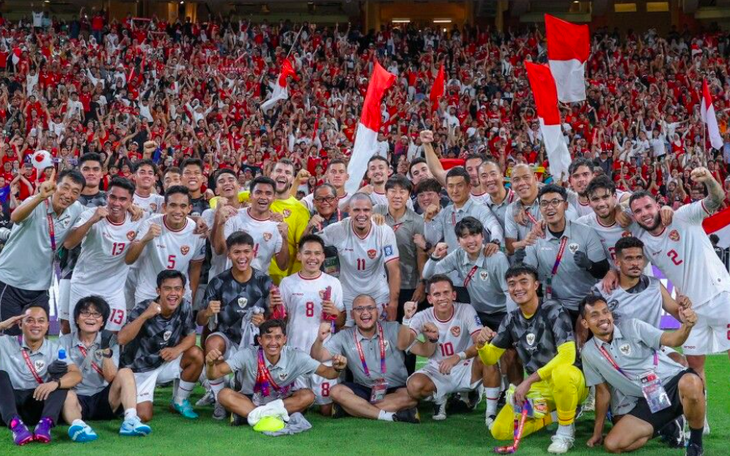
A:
[207,399]
[439,411]
[219,412]
[561,444]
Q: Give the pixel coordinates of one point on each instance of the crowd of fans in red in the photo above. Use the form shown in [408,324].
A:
[194,89]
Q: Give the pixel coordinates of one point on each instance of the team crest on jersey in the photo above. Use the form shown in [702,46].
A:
[530,338]
[625,349]
[39,364]
[386,344]
[484,275]
[372,253]
[626,234]
[573,247]
[267,236]
[242,302]
[456,330]
[184,249]
[286,213]
[612,304]
[674,235]
[153,207]
[282,376]
[166,335]
[131,235]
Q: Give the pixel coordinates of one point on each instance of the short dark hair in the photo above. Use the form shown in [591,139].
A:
[714,239]
[239,238]
[416,161]
[458,171]
[91,156]
[92,301]
[640,194]
[181,189]
[491,161]
[325,185]
[468,225]
[121,182]
[336,161]
[481,157]
[437,278]
[310,238]
[223,171]
[428,185]
[262,180]
[285,161]
[74,175]
[577,163]
[589,300]
[378,157]
[172,170]
[269,325]
[600,182]
[192,162]
[33,305]
[628,242]
[521,269]
[552,188]
[169,274]
[146,162]
[398,180]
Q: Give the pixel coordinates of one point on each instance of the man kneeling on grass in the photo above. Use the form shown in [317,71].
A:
[105,392]
[268,372]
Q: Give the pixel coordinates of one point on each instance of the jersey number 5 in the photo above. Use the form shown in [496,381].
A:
[674,256]
[171,262]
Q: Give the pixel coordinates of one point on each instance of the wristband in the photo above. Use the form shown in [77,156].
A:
[406,321]
[461,355]
[433,258]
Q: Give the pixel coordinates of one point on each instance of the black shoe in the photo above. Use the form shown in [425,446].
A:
[238,420]
[473,399]
[502,399]
[694,450]
[338,412]
[673,433]
[457,403]
[408,416]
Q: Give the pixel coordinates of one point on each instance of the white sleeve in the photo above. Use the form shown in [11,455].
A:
[693,213]
[84,217]
[473,324]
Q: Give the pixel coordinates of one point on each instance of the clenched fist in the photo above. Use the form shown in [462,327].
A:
[485,336]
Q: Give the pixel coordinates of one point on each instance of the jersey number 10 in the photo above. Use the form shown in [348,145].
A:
[447,349]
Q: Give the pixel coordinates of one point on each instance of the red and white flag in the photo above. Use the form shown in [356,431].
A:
[437,90]
[280,91]
[719,224]
[546,102]
[16,55]
[366,139]
[568,48]
[707,112]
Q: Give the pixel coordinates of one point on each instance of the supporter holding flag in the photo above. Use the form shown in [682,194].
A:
[280,90]
[709,119]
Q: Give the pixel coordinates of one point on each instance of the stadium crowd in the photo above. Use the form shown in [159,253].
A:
[174,201]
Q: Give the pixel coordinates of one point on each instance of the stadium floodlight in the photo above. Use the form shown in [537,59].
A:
[401,21]
[442,21]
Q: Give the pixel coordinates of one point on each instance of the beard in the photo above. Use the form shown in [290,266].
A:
[654,225]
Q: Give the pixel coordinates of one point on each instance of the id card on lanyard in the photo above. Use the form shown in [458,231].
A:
[380,386]
[558,259]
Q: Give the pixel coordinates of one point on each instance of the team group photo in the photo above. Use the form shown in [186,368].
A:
[365,227]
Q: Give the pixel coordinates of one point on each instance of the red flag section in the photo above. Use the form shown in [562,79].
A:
[286,71]
[437,90]
[380,81]
[544,91]
[566,41]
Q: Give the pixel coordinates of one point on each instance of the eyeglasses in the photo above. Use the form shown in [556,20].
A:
[554,203]
[86,313]
[324,199]
[365,308]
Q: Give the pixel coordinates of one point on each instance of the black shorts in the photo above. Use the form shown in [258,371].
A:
[663,417]
[491,321]
[97,407]
[12,301]
[364,392]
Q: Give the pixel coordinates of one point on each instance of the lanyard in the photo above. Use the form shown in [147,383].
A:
[470,275]
[615,365]
[30,366]
[93,364]
[264,381]
[531,217]
[397,226]
[51,228]
[558,259]
[362,354]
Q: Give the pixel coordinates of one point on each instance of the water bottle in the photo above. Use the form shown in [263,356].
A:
[59,367]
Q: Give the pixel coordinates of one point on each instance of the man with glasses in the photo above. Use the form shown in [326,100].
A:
[336,176]
[327,212]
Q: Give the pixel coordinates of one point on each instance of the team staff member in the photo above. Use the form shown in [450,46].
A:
[325,213]
[625,355]
[40,225]
[374,352]
[542,333]
[33,382]
[105,392]
[498,198]
[159,345]
[268,372]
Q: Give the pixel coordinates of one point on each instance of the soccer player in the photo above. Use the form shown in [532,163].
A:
[336,176]
[542,333]
[377,174]
[366,251]
[105,391]
[145,177]
[104,234]
[625,355]
[310,297]
[580,177]
[40,225]
[34,383]
[167,242]
[159,345]
[193,179]
[483,278]
[91,196]
[274,361]
[237,302]
[569,258]
[376,359]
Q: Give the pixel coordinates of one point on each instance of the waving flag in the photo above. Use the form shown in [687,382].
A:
[568,48]
[366,139]
[546,102]
[707,112]
[280,91]
[437,90]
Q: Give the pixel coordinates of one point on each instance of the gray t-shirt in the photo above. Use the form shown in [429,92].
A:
[92,380]
[405,228]
[292,365]
[13,362]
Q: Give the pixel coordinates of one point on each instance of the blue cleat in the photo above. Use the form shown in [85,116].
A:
[82,433]
[134,427]
[185,409]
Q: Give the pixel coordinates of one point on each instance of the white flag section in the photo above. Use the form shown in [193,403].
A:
[707,112]
[366,138]
[557,150]
[568,48]
[280,90]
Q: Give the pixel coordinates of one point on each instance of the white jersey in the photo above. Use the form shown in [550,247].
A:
[304,306]
[609,235]
[219,263]
[362,260]
[482,198]
[265,233]
[683,252]
[101,269]
[582,209]
[454,333]
[150,204]
[170,250]
[643,302]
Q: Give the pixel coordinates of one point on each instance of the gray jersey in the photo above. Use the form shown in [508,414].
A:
[405,228]
[25,261]
[442,226]
[634,348]
[500,210]
[343,343]
[643,301]
[92,380]
[13,362]
[514,230]
[571,283]
[483,278]
[292,365]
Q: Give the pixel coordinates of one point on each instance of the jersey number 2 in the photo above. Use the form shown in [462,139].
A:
[674,256]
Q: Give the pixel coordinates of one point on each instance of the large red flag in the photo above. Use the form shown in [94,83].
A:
[568,48]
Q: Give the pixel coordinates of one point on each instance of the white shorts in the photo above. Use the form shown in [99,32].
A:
[320,386]
[457,381]
[382,302]
[146,381]
[711,334]
[64,301]
[117,306]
